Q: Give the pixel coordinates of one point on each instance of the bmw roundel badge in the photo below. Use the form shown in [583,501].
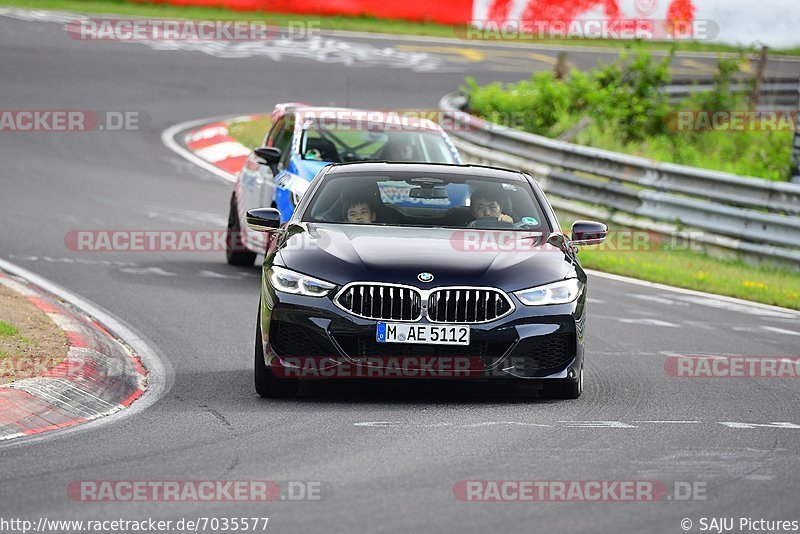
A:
[425,277]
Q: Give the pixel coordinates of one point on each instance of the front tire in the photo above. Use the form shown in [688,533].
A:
[235,251]
[269,386]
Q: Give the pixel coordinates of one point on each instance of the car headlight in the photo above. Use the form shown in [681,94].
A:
[288,281]
[555,293]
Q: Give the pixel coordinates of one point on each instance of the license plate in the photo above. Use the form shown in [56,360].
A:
[422,333]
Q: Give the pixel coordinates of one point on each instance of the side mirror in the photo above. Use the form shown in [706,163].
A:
[268,155]
[264,219]
[588,233]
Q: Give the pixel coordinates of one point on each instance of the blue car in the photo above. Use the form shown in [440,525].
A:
[303,140]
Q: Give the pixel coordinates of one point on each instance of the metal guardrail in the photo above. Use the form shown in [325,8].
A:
[747,214]
[776,93]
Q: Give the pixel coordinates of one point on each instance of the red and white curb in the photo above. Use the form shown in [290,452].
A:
[209,145]
[98,377]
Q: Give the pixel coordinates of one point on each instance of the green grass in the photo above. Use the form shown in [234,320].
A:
[746,153]
[692,269]
[7,330]
[250,133]
[363,23]
[695,270]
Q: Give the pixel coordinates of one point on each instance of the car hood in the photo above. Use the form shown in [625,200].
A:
[342,253]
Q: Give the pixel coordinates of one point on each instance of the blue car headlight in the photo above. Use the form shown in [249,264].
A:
[287,281]
[555,293]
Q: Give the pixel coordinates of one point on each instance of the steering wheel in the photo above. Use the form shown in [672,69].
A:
[492,222]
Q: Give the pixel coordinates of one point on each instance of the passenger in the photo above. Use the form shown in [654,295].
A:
[359,209]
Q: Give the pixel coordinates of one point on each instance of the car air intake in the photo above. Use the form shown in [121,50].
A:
[546,353]
[289,339]
[467,305]
[382,301]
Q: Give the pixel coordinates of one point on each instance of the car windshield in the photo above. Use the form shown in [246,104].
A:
[427,201]
[342,141]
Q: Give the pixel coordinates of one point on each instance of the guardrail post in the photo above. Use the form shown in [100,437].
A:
[561,66]
[795,172]
[762,62]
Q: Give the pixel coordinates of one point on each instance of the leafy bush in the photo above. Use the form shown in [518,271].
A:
[630,112]
[720,98]
[536,105]
[633,97]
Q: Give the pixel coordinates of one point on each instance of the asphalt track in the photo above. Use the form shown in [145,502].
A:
[391,454]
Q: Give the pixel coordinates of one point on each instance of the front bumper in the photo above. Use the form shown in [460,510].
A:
[307,337]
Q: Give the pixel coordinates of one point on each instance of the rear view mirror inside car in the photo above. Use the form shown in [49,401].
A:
[428,192]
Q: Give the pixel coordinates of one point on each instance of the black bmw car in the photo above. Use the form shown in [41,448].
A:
[393,270]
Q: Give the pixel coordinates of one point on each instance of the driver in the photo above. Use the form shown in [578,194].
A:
[487,204]
[399,150]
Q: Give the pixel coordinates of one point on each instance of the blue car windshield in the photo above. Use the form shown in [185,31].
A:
[342,141]
[440,201]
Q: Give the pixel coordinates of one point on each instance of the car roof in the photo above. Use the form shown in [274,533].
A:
[414,118]
[424,168]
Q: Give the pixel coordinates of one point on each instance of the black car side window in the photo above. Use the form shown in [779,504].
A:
[284,142]
[277,128]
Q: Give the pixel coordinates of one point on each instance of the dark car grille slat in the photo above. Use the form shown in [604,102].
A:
[466,305]
[383,302]
[388,302]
